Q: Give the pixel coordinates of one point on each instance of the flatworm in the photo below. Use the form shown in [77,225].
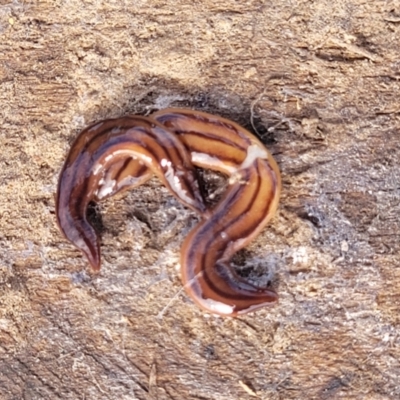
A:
[122,153]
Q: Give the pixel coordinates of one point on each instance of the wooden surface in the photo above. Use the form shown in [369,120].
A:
[320,82]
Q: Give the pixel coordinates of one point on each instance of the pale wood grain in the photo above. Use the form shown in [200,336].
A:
[320,82]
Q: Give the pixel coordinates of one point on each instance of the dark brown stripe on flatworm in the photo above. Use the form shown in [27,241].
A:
[140,171]
[206,244]
[209,136]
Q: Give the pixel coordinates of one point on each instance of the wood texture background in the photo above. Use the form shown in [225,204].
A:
[320,82]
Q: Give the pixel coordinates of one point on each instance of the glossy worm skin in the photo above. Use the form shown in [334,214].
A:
[248,204]
[113,155]
[102,162]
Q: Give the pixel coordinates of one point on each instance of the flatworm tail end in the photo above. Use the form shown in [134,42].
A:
[74,225]
[241,214]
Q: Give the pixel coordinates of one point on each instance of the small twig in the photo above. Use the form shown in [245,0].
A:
[248,389]
[153,381]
